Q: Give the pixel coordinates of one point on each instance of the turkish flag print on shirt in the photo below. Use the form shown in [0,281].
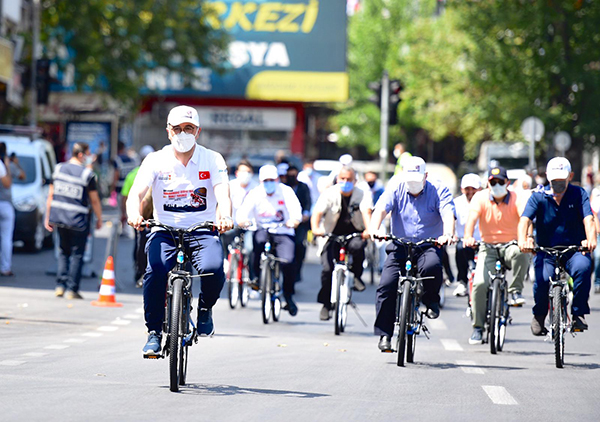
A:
[204,175]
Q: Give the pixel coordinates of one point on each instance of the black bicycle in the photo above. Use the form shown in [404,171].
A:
[559,299]
[409,318]
[178,324]
[498,308]
[270,278]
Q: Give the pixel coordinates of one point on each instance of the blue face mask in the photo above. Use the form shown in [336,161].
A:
[270,186]
[346,187]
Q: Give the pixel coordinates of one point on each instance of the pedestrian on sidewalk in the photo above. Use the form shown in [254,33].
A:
[7,215]
[72,190]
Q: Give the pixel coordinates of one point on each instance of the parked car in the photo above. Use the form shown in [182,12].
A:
[29,196]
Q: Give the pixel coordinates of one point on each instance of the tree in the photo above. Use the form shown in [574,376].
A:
[112,44]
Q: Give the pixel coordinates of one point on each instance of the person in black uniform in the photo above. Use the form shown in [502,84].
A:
[72,191]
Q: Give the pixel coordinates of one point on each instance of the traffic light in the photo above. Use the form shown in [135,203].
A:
[395,89]
[43,80]
[376,97]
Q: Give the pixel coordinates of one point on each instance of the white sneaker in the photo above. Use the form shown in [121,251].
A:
[461,290]
[225,266]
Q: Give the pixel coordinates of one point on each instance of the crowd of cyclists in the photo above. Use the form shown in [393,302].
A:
[189,183]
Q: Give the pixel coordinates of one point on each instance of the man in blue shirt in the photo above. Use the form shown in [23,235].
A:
[420,209]
[563,217]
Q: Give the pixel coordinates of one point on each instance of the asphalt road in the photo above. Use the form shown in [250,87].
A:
[66,360]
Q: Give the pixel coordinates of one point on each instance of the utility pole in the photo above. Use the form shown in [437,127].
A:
[383,128]
[34,47]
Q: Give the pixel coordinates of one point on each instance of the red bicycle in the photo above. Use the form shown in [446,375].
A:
[238,275]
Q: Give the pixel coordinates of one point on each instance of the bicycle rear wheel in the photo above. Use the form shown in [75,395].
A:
[183,350]
[275,299]
[233,280]
[174,329]
[243,285]
[265,283]
[558,326]
[504,318]
[404,316]
[339,279]
[495,316]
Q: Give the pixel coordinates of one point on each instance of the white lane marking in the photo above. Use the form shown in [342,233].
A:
[12,362]
[75,340]
[139,310]
[451,345]
[91,334]
[121,322]
[470,367]
[132,316]
[57,347]
[107,328]
[437,324]
[499,395]
[35,354]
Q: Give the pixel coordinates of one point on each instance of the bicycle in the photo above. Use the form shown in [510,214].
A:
[178,309]
[371,259]
[270,278]
[409,319]
[342,281]
[558,294]
[238,275]
[498,308]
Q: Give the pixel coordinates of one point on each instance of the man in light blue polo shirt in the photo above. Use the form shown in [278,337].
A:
[419,209]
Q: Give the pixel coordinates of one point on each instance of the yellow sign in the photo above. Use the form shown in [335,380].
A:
[298,86]
[6,61]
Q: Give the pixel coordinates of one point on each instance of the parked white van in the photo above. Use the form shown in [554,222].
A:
[29,196]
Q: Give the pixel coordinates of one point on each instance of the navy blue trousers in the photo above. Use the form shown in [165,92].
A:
[578,266]
[284,247]
[429,263]
[206,253]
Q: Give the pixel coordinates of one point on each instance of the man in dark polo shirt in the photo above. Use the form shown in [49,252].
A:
[563,217]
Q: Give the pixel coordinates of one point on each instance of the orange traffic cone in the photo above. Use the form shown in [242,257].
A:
[107,288]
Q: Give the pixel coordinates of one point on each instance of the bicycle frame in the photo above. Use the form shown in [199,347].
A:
[270,293]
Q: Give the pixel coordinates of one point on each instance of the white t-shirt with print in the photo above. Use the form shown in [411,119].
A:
[238,194]
[182,195]
[280,207]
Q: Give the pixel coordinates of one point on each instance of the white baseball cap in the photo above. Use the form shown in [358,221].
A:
[183,114]
[268,171]
[558,168]
[282,168]
[414,169]
[470,180]
[346,159]
[145,150]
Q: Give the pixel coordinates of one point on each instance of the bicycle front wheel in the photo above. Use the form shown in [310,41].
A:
[339,279]
[233,280]
[404,318]
[265,283]
[185,330]
[174,328]
[244,290]
[411,338]
[558,326]
[495,308]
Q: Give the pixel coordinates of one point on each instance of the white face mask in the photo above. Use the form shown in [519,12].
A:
[498,191]
[244,177]
[415,188]
[183,142]
[397,153]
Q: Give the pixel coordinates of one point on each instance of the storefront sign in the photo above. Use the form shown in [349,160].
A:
[6,61]
[247,118]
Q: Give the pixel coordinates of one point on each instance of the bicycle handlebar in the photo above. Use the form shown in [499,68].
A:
[560,250]
[494,245]
[198,226]
[405,242]
[340,238]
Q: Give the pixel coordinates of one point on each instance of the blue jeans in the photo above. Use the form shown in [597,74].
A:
[206,254]
[70,257]
[7,227]
[578,266]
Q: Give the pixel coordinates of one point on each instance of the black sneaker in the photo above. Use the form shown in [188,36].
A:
[516,299]
[359,286]
[477,336]
[385,344]
[206,327]
[290,305]
[537,326]
[433,311]
[579,323]
[254,285]
[324,315]
[152,347]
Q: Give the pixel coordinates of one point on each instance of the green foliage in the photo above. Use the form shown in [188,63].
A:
[477,70]
[113,43]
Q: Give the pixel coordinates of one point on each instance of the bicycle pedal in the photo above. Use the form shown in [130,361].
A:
[388,351]
[153,356]
[426,332]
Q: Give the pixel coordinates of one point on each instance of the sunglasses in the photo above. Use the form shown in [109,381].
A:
[495,182]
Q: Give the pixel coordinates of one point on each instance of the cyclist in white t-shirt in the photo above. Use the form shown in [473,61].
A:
[189,185]
[270,203]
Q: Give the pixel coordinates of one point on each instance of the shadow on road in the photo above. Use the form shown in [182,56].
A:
[582,365]
[232,390]
[536,353]
[450,365]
